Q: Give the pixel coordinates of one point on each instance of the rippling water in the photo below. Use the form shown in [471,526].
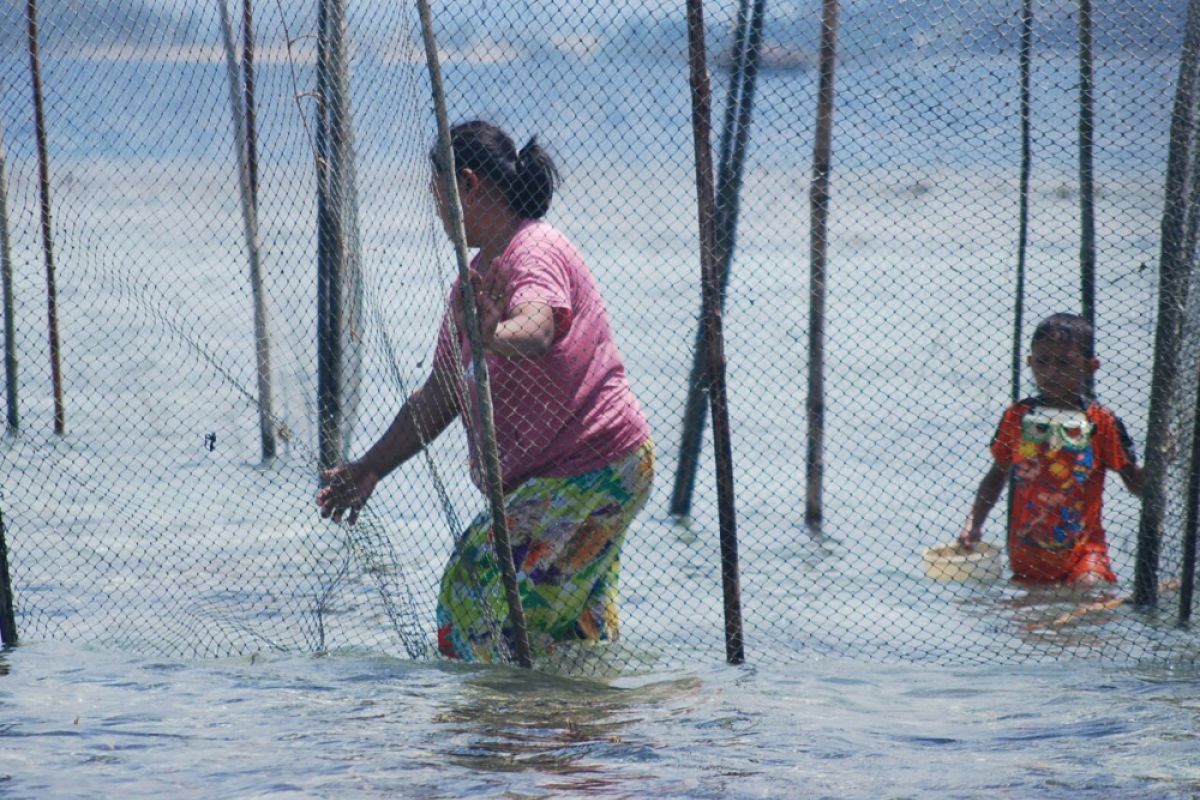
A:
[78,722]
[88,723]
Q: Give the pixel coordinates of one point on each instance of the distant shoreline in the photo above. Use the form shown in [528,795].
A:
[773,56]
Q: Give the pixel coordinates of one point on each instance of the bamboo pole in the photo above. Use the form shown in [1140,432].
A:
[1181,210]
[8,622]
[735,134]
[710,294]
[247,179]
[488,449]
[39,111]
[12,417]
[1087,189]
[331,244]
[819,201]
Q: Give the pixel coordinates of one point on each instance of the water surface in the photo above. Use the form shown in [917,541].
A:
[78,723]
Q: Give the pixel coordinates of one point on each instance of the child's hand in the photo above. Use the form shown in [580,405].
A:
[971,533]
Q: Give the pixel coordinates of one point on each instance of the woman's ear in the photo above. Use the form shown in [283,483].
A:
[468,181]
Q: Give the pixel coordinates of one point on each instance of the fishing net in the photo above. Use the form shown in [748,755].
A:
[205,164]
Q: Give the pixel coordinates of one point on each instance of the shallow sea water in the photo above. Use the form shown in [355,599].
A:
[86,722]
[83,722]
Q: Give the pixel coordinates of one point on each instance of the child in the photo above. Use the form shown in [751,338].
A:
[1057,446]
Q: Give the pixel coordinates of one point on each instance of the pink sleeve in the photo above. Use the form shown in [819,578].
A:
[537,275]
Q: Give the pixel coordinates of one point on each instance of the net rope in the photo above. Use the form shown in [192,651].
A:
[154,524]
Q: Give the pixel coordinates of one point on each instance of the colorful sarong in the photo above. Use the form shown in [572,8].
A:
[566,536]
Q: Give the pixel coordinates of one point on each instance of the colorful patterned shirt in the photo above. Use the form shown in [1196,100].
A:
[1059,457]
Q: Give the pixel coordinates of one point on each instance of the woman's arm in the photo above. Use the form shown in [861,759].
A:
[428,412]
[528,333]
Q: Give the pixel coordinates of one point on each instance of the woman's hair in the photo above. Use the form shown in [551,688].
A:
[526,177]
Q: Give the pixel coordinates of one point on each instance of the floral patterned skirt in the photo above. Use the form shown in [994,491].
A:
[566,536]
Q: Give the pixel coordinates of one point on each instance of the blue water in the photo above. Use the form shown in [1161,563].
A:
[135,548]
[84,723]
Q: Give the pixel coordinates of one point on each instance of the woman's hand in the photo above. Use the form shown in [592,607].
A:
[490,303]
[347,487]
[526,331]
[491,299]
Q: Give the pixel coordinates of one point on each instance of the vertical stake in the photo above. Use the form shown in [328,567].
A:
[1087,190]
[1025,59]
[39,112]
[12,417]
[247,184]
[819,200]
[331,239]
[710,286]
[1187,579]
[735,134]
[490,453]
[1181,213]
[8,622]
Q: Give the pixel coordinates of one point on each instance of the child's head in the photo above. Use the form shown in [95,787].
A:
[1062,358]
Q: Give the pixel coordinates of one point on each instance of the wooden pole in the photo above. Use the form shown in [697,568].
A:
[251,101]
[12,417]
[735,134]
[331,240]
[39,111]
[710,295]
[1087,190]
[1025,59]
[1192,509]
[488,448]
[819,201]
[246,182]
[8,621]
[733,153]
[1181,211]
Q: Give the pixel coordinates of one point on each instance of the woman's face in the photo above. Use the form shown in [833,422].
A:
[469,197]
[437,185]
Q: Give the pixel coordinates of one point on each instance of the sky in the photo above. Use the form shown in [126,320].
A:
[878,26]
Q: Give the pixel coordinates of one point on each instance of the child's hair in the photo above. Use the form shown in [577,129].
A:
[526,177]
[1070,328]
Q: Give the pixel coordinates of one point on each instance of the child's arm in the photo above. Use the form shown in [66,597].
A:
[990,487]
[1131,476]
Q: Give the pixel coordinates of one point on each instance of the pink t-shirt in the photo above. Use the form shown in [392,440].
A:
[569,411]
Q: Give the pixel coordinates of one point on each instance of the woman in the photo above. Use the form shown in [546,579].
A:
[576,457]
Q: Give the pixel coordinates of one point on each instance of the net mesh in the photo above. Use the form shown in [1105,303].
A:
[154,523]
